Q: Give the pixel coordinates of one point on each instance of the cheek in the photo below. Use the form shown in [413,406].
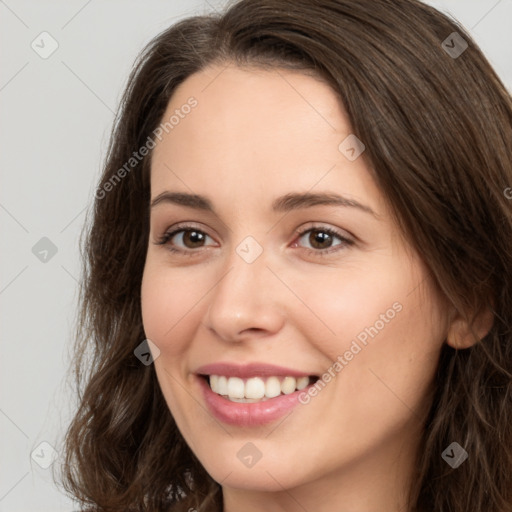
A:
[396,334]
[171,305]
[386,324]
[354,303]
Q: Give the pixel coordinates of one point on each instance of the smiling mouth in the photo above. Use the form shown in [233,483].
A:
[256,389]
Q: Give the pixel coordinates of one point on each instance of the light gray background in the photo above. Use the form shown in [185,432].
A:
[56,119]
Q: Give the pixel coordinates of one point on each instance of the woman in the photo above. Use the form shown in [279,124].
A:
[298,280]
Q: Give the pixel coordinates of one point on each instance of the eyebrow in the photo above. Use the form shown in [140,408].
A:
[286,203]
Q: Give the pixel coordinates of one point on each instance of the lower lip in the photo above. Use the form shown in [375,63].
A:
[247,415]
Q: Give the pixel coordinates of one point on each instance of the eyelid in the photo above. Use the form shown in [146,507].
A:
[299,232]
[323,226]
[180,227]
[346,240]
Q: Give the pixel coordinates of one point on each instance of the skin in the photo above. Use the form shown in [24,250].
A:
[253,136]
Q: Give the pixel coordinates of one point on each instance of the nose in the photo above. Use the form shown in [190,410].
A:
[247,301]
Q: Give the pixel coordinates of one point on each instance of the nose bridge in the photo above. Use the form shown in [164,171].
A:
[244,298]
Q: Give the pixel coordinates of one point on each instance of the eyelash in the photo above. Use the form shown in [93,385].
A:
[345,242]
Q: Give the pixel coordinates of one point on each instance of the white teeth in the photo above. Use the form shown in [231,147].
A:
[288,385]
[272,387]
[255,388]
[236,387]
[222,385]
[302,382]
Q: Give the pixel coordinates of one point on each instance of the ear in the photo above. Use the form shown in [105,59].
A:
[463,334]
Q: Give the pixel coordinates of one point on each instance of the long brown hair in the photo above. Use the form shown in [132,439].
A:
[437,126]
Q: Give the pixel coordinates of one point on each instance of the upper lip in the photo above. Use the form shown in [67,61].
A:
[250,370]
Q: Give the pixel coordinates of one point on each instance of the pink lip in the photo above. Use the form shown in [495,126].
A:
[249,370]
[247,415]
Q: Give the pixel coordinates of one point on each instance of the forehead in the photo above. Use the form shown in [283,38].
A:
[253,130]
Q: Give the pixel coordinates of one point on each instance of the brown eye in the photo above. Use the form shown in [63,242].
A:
[320,239]
[184,239]
[193,238]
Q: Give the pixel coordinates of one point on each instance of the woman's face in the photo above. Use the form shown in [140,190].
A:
[266,276]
